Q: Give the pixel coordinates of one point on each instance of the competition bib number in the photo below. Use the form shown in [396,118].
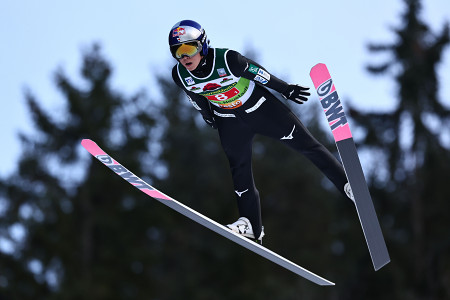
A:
[224,96]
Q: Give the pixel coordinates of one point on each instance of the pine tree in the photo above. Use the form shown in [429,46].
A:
[414,187]
[84,231]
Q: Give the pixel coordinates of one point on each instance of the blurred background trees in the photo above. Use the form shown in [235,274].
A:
[413,142]
[71,229]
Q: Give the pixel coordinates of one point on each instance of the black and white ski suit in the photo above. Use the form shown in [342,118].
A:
[261,113]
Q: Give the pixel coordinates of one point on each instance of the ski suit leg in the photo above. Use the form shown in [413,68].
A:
[276,120]
[236,139]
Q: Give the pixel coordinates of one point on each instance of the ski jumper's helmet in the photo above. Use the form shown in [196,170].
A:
[188,32]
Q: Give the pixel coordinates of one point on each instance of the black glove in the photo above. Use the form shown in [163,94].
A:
[297,93]
[210,121]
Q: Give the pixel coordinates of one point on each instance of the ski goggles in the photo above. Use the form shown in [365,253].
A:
[186,49]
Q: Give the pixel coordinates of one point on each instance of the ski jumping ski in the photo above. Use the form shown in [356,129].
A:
[337,120]
[137,182]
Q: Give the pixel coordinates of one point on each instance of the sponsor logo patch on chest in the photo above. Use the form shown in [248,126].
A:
[189,80]
[221,72]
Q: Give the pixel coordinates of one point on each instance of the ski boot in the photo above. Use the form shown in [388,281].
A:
[348,191]
[243,227]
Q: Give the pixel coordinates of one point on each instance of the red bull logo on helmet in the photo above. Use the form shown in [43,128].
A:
[178,32]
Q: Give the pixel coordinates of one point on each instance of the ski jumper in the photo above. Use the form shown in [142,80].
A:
[229,89]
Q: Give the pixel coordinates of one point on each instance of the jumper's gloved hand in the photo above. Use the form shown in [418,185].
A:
[297,93]
[210,121]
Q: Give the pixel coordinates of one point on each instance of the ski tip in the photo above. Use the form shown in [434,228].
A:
[85,142]
[317,67]
[92,147]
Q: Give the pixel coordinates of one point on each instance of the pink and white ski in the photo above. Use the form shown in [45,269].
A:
[137,182]
[337,120]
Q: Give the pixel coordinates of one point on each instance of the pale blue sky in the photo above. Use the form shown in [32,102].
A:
[37,37]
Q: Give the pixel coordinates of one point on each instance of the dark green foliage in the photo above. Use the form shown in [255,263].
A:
[413,195]
[72,210]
